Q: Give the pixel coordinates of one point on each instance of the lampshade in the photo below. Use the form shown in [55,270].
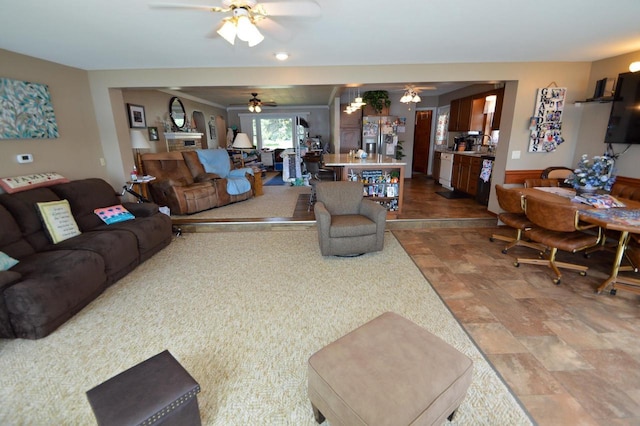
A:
[634,66]
[242,141]
[139,140]
[228,31]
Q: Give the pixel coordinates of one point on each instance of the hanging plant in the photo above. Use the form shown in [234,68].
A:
[377,99]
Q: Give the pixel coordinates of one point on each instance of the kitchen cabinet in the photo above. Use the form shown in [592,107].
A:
[495,125]
[468,113]
[460,114]
[435,168]
[350,130]
[466,170]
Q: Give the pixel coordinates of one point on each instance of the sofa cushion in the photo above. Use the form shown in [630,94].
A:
[84,196]
[22,207]
[54,286]
[151,233]
[11,241]
[118,249]
[57,220]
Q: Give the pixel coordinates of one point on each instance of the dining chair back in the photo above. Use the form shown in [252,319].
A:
[557,226]
[532,183]
[510,200]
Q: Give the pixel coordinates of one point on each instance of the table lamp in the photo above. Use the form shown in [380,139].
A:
[242,141]
[139,141]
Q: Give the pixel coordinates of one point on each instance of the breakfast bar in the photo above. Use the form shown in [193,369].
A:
[381,175]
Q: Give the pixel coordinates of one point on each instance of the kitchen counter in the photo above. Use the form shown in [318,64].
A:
[370,171]
[345,160]
[471,153]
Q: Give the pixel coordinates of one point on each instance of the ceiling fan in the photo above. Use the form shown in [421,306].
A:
[247,15]
[255,104]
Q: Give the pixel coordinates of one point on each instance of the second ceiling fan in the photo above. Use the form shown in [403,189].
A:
[255,104]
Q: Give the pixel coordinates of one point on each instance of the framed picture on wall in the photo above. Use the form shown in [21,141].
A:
[153,133]
[136,116]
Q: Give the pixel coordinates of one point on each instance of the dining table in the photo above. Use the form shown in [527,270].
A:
[625,220]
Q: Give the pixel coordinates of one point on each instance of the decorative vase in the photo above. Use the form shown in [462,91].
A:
[583,190]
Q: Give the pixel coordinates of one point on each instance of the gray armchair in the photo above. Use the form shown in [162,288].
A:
[348,224]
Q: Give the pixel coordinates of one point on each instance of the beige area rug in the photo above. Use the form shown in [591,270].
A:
[277,201]
[242,312]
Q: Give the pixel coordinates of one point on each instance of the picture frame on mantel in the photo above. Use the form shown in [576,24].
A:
[153,134]
[136,115]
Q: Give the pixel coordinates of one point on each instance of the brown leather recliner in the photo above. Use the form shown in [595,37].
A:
[199,174]
[176,188]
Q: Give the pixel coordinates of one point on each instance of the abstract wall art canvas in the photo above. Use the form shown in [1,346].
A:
[26,111]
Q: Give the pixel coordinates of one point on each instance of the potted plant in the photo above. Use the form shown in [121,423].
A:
[399,153]
[377,99]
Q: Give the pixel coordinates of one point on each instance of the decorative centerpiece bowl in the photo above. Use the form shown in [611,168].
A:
[592,176]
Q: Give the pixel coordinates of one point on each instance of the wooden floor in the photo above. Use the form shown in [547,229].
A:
[421,201]
[570,356]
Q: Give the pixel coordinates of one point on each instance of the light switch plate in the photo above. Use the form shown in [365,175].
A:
[515,155]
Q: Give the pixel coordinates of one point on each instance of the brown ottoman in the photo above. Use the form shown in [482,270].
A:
[156,391]
[389,371]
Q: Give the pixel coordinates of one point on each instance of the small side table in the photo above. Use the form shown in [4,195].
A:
[142,186]
[258,183]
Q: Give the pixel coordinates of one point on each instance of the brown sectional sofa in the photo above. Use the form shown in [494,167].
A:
[184,186]
[52,282]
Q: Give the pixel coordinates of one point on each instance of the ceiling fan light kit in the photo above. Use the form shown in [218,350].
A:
[255,104]
[241,25]
[410,95]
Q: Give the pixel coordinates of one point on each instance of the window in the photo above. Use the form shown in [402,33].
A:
[275,132]
[271,130]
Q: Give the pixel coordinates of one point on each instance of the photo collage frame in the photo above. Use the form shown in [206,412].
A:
[545,126]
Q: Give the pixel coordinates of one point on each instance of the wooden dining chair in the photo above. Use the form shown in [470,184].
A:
[557,172]
[510,200]
[532,183]
[558,227]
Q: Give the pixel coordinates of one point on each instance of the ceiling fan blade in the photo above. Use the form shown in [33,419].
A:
[278,32]
[187,6]
[292,8]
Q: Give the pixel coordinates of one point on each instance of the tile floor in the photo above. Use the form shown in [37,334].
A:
[569,355]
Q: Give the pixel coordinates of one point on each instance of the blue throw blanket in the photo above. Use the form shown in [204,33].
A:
[217,161]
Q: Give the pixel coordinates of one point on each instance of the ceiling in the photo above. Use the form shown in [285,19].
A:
[128,34]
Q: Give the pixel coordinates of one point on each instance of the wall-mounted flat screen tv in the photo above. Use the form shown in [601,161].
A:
[624,121]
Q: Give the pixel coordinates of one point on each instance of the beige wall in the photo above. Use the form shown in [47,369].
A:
[156,106]
[582,125]
[77,152]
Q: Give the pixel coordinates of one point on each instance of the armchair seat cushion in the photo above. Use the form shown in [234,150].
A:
[351,225]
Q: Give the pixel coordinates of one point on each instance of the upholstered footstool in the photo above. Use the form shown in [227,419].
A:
[389,371]
[158,391]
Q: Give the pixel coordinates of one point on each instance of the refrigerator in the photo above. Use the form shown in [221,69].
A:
[379,135]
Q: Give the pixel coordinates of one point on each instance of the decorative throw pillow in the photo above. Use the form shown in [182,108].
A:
[58,220]
[6,261]
[22,183]
[114,214]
